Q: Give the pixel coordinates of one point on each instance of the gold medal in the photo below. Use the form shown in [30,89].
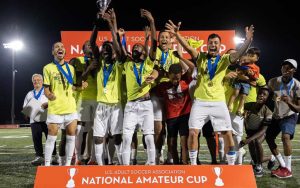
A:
[105,90]
[210,84]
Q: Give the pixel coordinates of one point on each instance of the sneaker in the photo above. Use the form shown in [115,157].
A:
[271,164]
[258,171]
[38,161]
[54,160]
[282,172]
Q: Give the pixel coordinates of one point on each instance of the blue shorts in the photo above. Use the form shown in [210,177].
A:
[243,87]
[285,125]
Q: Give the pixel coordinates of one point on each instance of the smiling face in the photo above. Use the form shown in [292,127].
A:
[107,51]
[287,71]
[37,81]
[213,46]
[164,40]
[58,51]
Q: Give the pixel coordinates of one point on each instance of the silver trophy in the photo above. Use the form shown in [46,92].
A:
[103,5]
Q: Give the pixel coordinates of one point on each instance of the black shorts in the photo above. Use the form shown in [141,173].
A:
[179,124]
[285,125]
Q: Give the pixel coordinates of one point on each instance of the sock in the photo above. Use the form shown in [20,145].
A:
[170,157]
[193,156]
[280,160]
[221,149]
[127,138]
[49,147]
[62,160]
[240,157]
[133,154]
[70,146]
[78,142]
[231,156]
[119,153]
[288,162]
[273,158]
[99,153]
[149,139]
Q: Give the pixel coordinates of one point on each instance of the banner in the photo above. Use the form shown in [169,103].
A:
[73,40]
[160,176]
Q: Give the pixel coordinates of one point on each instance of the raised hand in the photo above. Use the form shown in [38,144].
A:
[172,28]
[249,32]
[146,14]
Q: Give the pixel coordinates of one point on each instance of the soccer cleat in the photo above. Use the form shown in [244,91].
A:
[54,160]
[271,164]
[38,161]
[282,172]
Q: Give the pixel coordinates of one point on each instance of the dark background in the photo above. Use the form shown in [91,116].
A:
[38,24]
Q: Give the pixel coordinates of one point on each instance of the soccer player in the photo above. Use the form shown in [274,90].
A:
[109,112]
[209,95]
[59,78]
[87,101]
[139,74]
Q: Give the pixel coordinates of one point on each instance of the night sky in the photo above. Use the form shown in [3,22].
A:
[38,24]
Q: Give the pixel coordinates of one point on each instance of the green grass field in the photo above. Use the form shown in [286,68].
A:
[16,152]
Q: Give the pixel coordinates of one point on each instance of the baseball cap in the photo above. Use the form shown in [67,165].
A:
[291,61]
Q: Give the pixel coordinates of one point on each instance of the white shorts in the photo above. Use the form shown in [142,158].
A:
[138,114]
[108,119]
[157,108]
[86,111]
[237,124]
[62,120]
[217,112]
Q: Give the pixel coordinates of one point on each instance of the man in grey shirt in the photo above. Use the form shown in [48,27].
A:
[287,105]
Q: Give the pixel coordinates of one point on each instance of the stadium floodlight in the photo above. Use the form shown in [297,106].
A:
[14,46]
[238,40]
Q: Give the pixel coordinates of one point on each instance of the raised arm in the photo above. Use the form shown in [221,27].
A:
[147,37]
[110,17]
[93,38]
[146,14]
[249,37]
[174,29]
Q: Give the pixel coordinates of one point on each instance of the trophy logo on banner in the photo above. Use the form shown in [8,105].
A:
[71,182]
[219,182]
[103,5]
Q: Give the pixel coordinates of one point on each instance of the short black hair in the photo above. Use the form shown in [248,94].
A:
[214,35]
[175,69]
[163,31]
[266,88]
[253,50]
